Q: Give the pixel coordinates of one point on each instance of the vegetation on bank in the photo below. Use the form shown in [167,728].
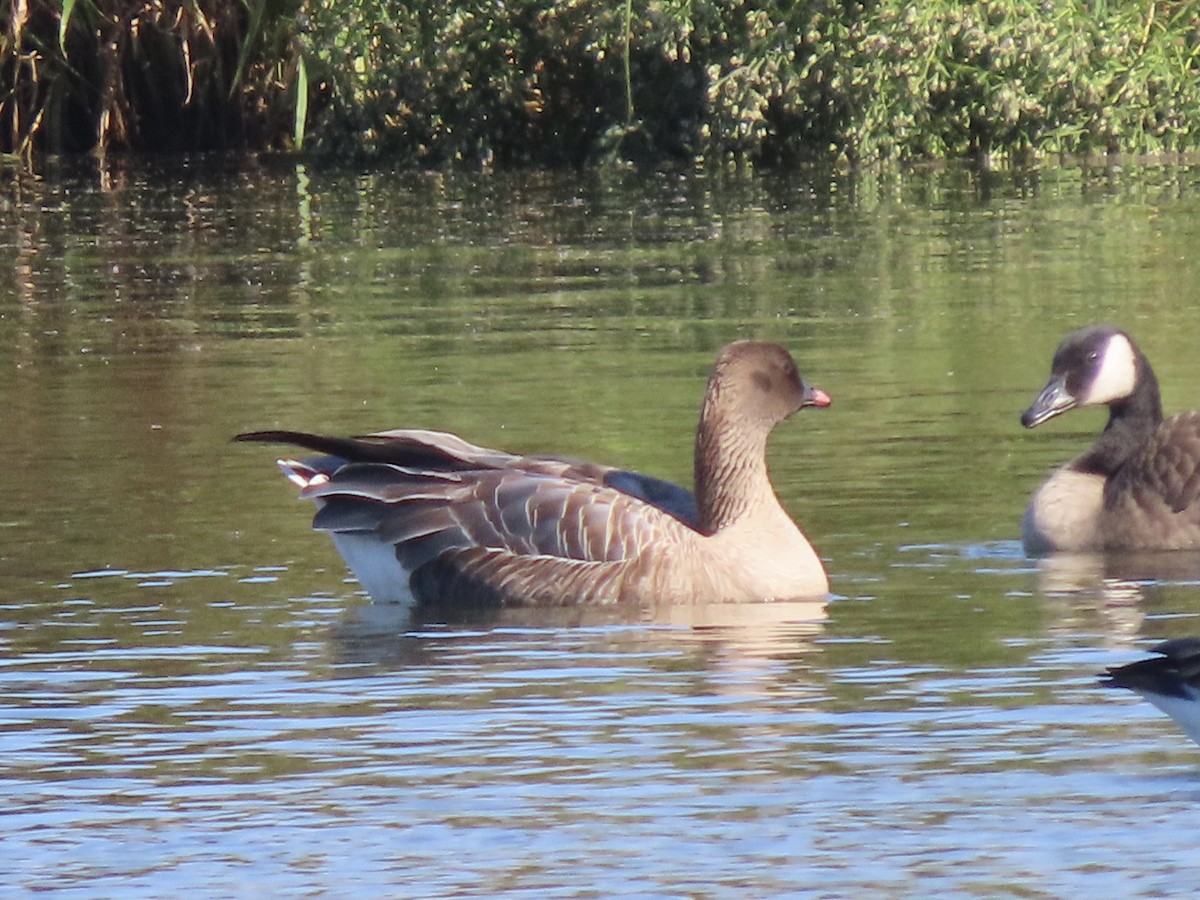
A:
[568,82]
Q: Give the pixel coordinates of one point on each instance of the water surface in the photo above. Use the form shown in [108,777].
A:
[195,696]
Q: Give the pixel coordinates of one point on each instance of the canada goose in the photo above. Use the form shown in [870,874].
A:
[426,516]
[1171,681]
[1138,487]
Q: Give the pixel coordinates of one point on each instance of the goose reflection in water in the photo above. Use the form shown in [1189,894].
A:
[742,642]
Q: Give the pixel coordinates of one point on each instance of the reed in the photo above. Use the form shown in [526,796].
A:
[160,75]
[575,82]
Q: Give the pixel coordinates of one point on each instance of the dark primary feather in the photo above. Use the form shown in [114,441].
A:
[411,448]
[1177,664]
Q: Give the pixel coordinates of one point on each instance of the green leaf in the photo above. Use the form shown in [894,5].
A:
[301,102]
[64,22]
[256,18]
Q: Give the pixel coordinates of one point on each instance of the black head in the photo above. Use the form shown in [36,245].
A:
[1095,366]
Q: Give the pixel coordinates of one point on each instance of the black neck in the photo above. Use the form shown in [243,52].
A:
[1131,422]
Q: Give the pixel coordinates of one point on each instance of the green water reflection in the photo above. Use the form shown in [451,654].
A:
[185,669]
[155,312]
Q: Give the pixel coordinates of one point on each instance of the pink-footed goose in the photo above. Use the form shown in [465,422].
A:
[426,516]
[1138,486]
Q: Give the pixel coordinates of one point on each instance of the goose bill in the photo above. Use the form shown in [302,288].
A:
[1053,400]
[814,396]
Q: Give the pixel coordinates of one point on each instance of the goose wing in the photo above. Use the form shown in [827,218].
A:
[498,536]
[1170,680]
[425,514]
[1164,475]
[1176,666]
[439,451]
[411,447]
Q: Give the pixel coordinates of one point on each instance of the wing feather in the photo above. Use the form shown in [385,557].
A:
[473,523]
[1159,486]
[519,513]
[431,453]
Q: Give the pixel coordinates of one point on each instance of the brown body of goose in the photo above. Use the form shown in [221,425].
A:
[1138,486]
[427,516]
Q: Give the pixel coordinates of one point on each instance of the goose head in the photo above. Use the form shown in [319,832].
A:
[1094,366]
[757,383]
[753,387]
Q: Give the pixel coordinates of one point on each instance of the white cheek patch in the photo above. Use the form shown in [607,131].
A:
[1117,375]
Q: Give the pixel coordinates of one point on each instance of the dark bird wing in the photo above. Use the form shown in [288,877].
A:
[481,525]
[1176,665]
[426,514]
[1160,484]
[412,448]
[439,451]
[497,535]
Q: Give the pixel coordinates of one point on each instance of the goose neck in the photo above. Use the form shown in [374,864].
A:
[731,472]
[1131,422]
